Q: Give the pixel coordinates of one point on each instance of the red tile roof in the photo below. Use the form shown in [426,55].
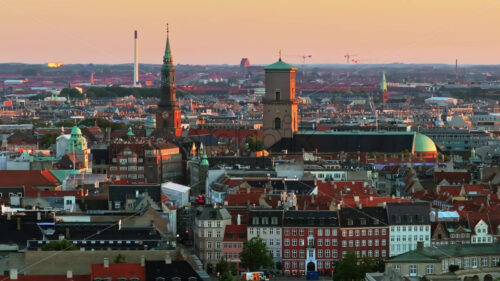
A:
[117,270]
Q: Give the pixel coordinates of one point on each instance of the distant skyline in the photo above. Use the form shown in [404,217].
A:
[224,31]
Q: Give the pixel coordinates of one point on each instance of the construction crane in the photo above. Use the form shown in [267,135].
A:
[348,57]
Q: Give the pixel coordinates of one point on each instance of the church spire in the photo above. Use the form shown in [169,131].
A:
[383,83]
[168,53]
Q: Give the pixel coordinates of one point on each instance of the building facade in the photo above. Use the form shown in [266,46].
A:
[409,223]
[364,231]
[209,230]
[310,241]
[267,225]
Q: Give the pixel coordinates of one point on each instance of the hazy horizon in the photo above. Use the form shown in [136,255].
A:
[217,32]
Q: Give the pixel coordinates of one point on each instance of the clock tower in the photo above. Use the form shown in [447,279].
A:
[168,115]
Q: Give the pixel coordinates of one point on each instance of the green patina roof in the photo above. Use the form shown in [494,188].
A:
[76,131]
[383,84]
[280,65]
[62,174]
[423,143]
[130,133]
[168,53]
[436,253]
[204,160]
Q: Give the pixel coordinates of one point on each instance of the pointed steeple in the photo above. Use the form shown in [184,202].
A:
[168,53]
[383,83]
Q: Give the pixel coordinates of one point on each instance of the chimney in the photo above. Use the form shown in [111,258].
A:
[238,220]
[168,259]
[13,274]
[458,245]
[69,274]
[143,261]
[420,245]
[18,223]
[136,64]
[106,263]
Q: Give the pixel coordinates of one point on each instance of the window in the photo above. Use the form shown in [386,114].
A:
[209,245]
[302,253]
[320,232]
[265,220]
[484,262]
[327,232]
[294,232]
[277,93]
[334,232]
[413,270]
[466,262]
[287,253]
[327,253]
[287,242]
[294,242]
[334,241]
[327,242]
[274,220]
[320,253]
[429,269]
[376,231]
[287,231]
[301,232]
[396,267]
[277,123]
[474,262]
[320,242]
[294,253]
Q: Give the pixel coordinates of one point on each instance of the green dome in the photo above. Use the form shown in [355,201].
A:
[423,143]
[76,131]
[280,65]
[130,133]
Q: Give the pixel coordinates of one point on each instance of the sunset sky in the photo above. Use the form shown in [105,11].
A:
[224,31]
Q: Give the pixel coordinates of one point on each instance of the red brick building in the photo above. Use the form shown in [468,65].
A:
[310,241]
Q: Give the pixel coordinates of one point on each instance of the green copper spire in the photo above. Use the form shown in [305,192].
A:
[168,53]
[383,84]
[130,133]
[204,159]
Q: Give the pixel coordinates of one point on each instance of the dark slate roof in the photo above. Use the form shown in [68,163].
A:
[408,213]
[210,213]
[311,218]
[392,142]
[297,186]
[435,253]
[123,192]
[253,162]
[181,269]
[268,213]
[365,217]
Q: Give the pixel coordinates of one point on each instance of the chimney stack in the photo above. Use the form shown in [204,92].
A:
[69,274]
[143,261]
[106,263]
[13,274]
[136,63]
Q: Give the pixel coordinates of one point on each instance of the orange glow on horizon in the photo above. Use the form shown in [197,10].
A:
[55,64]
[224,31]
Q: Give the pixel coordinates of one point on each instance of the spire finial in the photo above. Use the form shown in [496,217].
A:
[167,29]
[280,55]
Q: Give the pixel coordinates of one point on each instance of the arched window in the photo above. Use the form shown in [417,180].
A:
[277,123]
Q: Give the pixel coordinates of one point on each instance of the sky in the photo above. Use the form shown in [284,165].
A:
[224,31]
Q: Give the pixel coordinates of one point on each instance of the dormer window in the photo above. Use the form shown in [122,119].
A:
[362,221]
[349,222]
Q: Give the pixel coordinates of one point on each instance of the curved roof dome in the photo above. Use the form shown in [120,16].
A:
[76,131]
[424,144]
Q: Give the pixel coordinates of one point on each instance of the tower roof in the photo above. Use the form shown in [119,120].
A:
[280,65]
[204,159]
[383,83]
[168,53]
[76,131]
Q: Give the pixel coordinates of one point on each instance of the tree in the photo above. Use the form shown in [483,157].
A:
[48,139]
[348,269]
[254,143]
[65,123]
[71,93]
[222,266]
[62,245]
[255,255]
[226,276]
[120,258]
